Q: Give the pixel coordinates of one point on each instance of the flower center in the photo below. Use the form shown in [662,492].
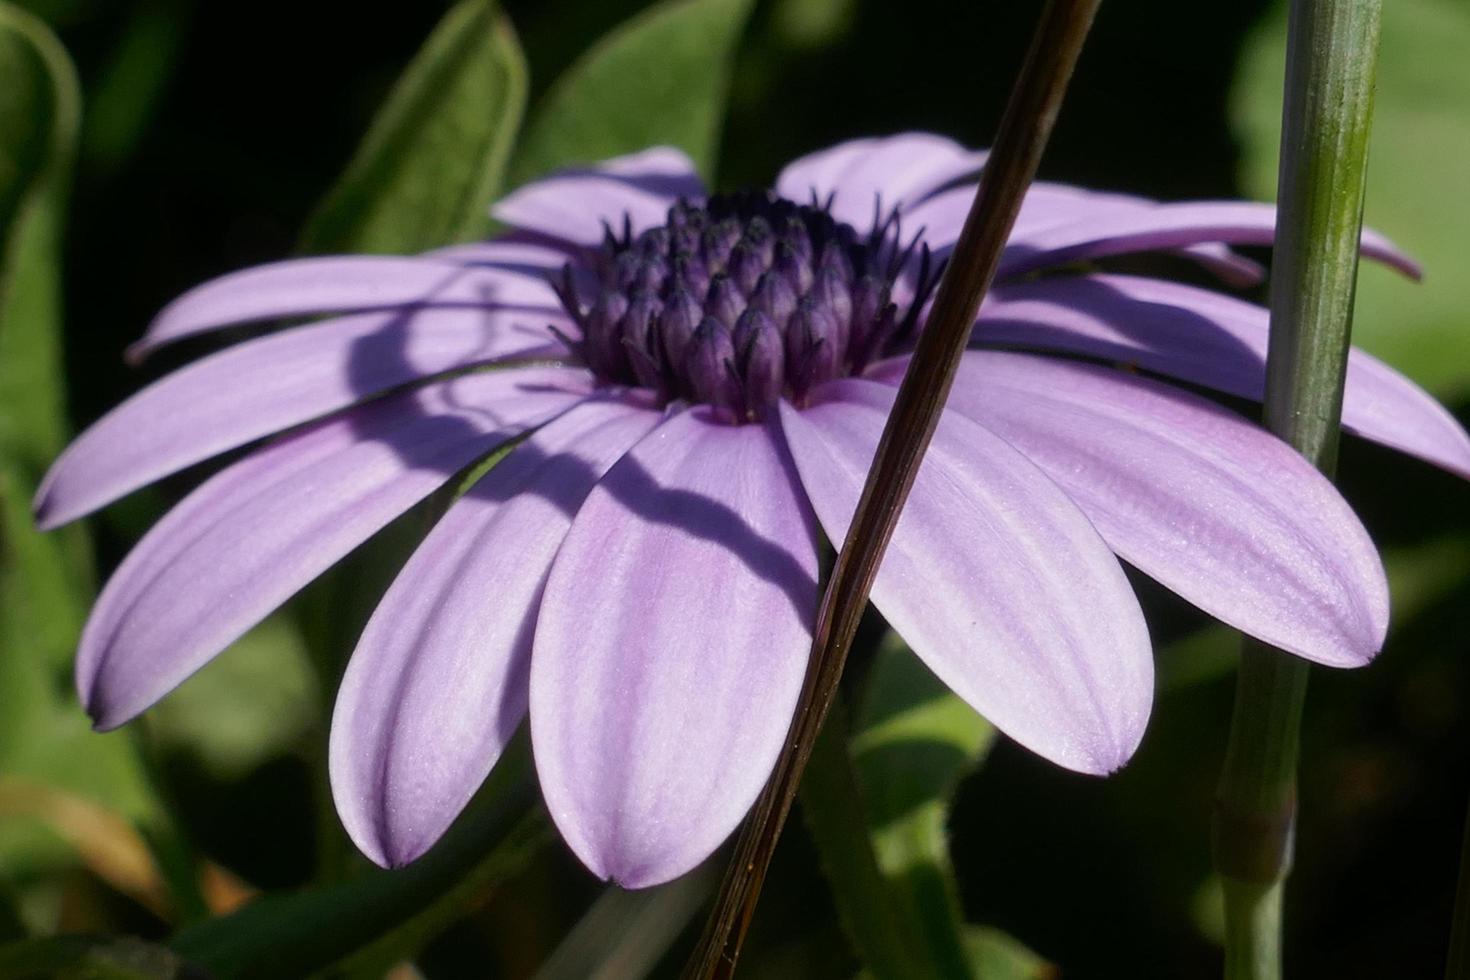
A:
[744,299]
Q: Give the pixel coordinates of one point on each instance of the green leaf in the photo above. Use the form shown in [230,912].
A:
[26,107]
[380,917]
[432,160]
[1210,653]
[91,958]
[660,78]
[883,928]
[994,955]
[39,117]
[1416,180]
[130,86]
[913,742]
[45,580]
[257,700]
[877,810]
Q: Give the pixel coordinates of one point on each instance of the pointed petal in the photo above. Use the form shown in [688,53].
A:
[250,537]
[439,681]
[891,170]
[994,578]
[573,205]
[1202,500]
[266,385]
[300,287]
[671,646]
[1208,339]
[1169,226]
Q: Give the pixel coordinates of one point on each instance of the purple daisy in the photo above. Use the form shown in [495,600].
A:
[693,388]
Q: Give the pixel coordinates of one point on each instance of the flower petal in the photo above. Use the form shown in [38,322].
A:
[300,287]
[994,578]
[1208,339]
[1047,206]
[577,205]
[889,171]
[250,537]
[1169,226]
[1205,502]
[509,252]
[439,681]
[671,646]
[272,383]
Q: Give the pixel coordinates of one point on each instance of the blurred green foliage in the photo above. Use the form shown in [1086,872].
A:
[46,745]
[431,162]
[1417,186]
[217,136]
[610,102]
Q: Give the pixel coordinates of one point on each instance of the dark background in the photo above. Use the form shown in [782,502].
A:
[210,156]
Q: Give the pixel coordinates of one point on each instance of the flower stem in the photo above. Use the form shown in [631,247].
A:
[1024,130]
[1332,54]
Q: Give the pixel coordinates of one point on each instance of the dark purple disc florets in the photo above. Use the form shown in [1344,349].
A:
[744,299]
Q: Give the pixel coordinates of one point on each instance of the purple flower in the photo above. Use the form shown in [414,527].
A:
[694,387]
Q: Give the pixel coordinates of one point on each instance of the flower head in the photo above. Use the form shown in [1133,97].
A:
[693,387]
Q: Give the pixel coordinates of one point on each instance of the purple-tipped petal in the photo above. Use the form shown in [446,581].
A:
[892,171]
[994,578]
[1168,227]
[1208,339]
[573,205]
[266,385]
[670,648]
[439,680]
[1205,502]
[250,537]
[299,287]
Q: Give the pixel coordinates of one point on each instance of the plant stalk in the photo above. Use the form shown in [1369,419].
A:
[1331,62]
[1023,134]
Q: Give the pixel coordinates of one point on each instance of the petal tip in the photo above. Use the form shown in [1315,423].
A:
[46,514]
[104,718]
[635,875]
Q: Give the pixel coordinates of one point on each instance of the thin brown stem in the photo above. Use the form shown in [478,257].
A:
[1023,135]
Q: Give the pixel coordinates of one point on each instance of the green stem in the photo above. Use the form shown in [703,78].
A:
[1024,131]
[1252,929]
[1332,53]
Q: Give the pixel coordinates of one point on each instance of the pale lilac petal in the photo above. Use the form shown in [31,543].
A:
[1167,227]
[1213,340]
[508,252]
[671,646]
[890,171]
[266,385]
[576,206]
[250,537]
[332,284]
[439,680]
[1048,206]
[1208,504]
[1052,204]
[994,578]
